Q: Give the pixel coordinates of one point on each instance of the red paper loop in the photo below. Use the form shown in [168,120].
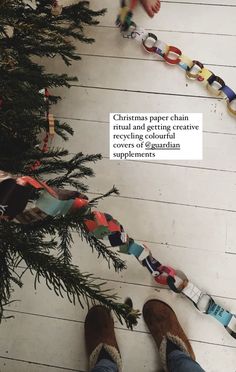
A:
[173,61]
[165,271]
[80,203]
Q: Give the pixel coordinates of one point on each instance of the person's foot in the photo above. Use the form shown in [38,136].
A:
[100,337]
[151,6]
[165,329]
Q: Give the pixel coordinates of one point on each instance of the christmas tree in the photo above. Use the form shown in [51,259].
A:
[30,30]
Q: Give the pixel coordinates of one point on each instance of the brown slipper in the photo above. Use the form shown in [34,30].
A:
[164,325]
[99,333]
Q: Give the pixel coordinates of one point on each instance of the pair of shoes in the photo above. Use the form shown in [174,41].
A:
[160,319]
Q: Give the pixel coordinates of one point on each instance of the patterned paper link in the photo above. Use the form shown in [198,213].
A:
[227,93]
[204,75]
[172,51]
[152,265]
[180,281]
[130,33]
[139,34]
[51,124]
[194,70]
[145,253]
[231,327]
[53,206]
[162,48]
[117,238]
[219,313]
[215,85]
[185,62]
[230,106]
[31,215]
[123,14]
[124,248]
[214,90]
[135,249]
[192,292]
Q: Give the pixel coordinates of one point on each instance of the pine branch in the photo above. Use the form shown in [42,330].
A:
[101,249]
[65,241]
[74,223]
[7,275]
[94,201]
[62,129]
[67,279]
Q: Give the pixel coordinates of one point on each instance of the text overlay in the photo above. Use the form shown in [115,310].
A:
[150,136]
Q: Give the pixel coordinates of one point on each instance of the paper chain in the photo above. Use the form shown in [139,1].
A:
[195,70]
[14,196]
[172,55]
[104,226]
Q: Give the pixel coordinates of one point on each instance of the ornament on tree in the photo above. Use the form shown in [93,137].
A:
[9,31]
[51,124]
[56,8]
[50,131]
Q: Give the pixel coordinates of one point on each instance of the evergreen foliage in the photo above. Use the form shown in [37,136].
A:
[28,32]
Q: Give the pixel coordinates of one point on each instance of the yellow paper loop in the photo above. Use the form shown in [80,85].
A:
[204,74]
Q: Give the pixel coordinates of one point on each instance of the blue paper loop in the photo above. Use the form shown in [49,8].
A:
[52,206]
[229,93]
[135,249]
[219,313]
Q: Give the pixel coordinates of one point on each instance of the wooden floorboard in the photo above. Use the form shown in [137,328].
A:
[183,210]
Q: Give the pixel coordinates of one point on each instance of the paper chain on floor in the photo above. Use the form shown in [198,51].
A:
[194,69]
[104,226]
[15,194]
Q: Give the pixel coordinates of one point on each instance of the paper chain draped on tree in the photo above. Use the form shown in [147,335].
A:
[15,194]
[194,69]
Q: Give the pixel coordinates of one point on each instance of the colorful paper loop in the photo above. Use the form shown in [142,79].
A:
[172,50]
[185,62]
[215,85]
[204,75]
[228,93]
[194,71]
[222,315]
[52,206]
[149,43]
[230,106]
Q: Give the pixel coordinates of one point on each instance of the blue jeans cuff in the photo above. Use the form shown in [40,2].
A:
[105,365]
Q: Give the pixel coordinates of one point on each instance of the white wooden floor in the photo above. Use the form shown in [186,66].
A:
[184,210]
